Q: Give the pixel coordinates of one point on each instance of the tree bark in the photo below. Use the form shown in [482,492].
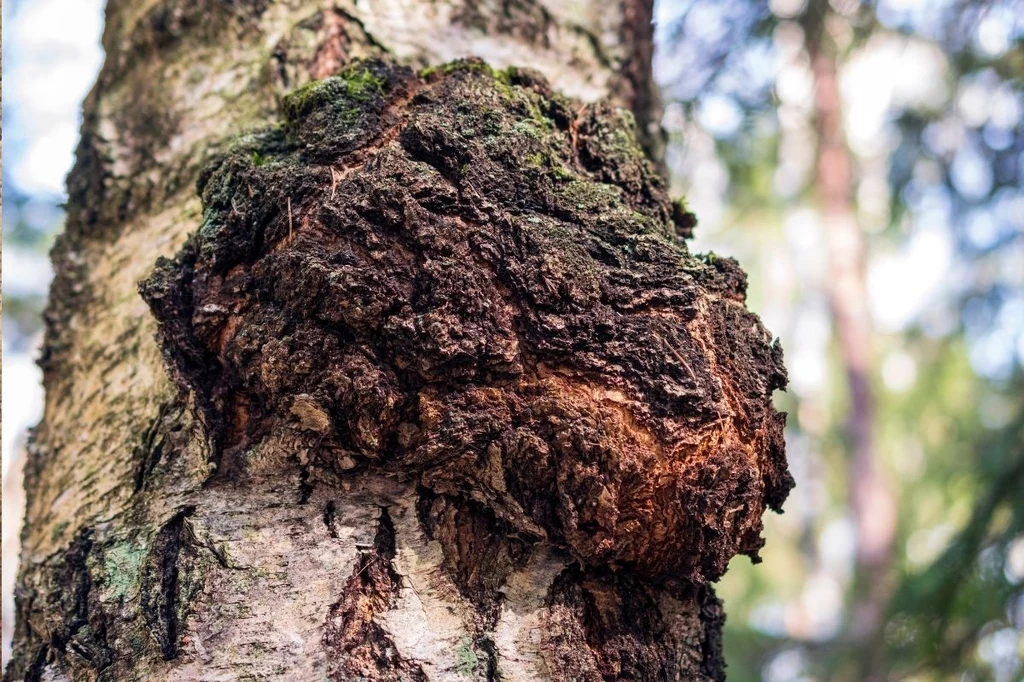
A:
[422,386]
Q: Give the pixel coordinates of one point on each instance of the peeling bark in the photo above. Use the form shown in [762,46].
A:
[437,391]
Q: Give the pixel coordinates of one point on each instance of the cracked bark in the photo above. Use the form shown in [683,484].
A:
[423,384]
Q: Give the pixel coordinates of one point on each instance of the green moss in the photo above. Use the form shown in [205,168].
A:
[343,95]
[507,75]
[469,65]
[552,164]
[562,173]
[591,197]
[626,221]
[623,144]
[300,100]
[330,93]
[466,660]
[503,82]
[122,566]
[528,129]
[361,84]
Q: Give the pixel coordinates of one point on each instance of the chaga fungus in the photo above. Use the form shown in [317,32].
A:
[468,278]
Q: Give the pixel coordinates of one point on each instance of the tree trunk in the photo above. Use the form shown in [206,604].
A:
[873,506]
[422,386]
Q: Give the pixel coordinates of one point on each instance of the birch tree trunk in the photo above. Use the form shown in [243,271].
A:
[422,386]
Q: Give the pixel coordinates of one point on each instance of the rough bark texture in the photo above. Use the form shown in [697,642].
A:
[447,397]
[472,282]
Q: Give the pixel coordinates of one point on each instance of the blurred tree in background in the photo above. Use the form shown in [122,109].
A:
[864,161]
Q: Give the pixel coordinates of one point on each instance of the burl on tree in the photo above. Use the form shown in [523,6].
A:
[464,279]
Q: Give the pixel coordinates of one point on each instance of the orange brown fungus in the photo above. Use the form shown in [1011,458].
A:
[469,279]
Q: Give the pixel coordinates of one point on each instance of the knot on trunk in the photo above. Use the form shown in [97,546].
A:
[464,277]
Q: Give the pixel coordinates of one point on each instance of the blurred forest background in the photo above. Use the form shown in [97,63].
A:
[864,161]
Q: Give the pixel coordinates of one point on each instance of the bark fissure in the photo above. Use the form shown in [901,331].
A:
[480,550]
[75,602]
[364,650]
[160,585]
[150,449]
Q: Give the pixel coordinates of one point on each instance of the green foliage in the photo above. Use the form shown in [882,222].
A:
[949,436]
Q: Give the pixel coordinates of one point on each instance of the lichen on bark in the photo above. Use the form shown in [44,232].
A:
[462,278]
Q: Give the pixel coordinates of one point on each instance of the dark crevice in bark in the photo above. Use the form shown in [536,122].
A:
[77,583]
[35,669]
[480,550]
[361,648]
[486,645]
[305,484]
[83,628]
[280,63]
[712,615]
[330,518]
[161,588]
[80,630]
[150,450]
[384,546]
[366,35]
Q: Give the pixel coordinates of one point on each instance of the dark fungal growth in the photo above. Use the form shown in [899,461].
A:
[464,277]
